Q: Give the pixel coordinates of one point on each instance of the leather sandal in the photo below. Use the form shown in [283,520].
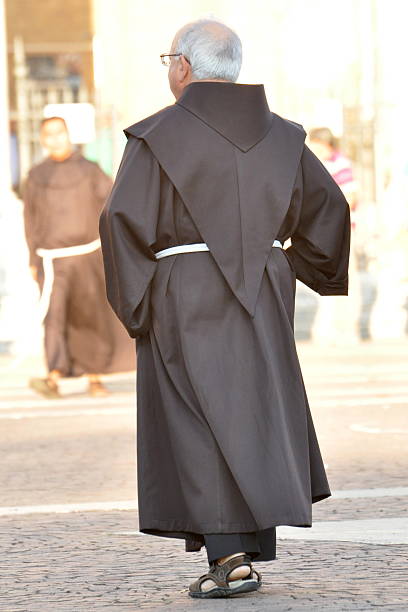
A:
[46,387]
[223,587]
[97,389]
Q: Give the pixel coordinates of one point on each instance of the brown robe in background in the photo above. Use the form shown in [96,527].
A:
[226,442]
[62,204]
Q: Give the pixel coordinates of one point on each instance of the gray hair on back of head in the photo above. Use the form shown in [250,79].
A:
[212,48]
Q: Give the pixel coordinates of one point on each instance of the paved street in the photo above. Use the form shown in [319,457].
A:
[68,514]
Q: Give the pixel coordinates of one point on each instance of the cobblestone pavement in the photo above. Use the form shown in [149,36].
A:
[81,450]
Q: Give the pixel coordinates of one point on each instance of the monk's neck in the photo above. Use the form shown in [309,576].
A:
[61,156]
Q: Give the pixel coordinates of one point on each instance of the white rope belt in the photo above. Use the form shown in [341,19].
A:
[48,256]
[193,248]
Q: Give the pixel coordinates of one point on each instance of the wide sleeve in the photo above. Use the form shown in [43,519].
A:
[128,230]
[102,185]
[320,244]
[30,221]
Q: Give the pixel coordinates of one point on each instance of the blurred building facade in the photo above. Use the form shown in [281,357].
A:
[50,60]
[57,38]
[327,63]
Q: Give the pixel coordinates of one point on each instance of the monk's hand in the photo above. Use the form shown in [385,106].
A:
[34,272]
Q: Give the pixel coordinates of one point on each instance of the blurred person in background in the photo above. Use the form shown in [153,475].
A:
[208,191]
[392,268]
[325,146]
[63,197]
[14,157]
[338,321]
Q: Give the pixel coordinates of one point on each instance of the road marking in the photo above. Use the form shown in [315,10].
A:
[380,492]
[132,504]
[364,388]
[377,430]
[111,400]
[67,413]
[69,383]
[327,378]
[27,397]
[68,508]
[357,391]
[56,408]
[361,368]
[365,531]
[342,402]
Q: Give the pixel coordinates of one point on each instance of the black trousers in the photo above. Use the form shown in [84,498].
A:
[260,545]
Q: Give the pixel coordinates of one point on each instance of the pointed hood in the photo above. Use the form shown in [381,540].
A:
[234,164]
[240,113]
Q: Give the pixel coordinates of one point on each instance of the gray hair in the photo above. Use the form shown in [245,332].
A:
[212,48]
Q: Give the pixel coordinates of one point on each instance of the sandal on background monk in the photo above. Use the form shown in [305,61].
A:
[233,577]
[97,388]
[46,387]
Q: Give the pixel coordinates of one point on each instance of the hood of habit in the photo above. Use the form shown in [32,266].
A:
[234,164]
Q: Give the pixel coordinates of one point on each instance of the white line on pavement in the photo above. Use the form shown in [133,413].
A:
[380,492]
[322,391]
[132,504]
[58,410]
[68,508]
[367,391]
[27,397]
[326,379]
[377,430]
[361,368]
[369,531]
[66,413]
[112,400]
[342,402]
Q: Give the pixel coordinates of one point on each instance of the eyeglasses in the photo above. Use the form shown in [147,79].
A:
[166,58]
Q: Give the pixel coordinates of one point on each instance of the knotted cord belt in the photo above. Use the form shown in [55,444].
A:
[193,248]
[48,256]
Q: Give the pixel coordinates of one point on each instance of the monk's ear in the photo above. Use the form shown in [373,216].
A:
[185,68]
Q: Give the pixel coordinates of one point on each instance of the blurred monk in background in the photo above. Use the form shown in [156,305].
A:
[63,197]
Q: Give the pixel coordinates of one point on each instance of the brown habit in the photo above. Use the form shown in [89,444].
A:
[225,438]
[62,204]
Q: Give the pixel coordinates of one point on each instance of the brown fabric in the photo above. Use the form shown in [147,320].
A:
[226,441]
[226,200]
[62,204]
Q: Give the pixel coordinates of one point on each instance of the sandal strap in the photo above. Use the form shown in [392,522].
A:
[258,575]
[218,574]
[223,570]
[196,586]
[97,384]
[51,384]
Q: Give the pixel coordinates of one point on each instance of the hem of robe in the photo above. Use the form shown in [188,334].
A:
[194,542]
[183,530]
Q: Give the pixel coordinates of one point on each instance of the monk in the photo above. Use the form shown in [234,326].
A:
[209,191]
[63,197]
